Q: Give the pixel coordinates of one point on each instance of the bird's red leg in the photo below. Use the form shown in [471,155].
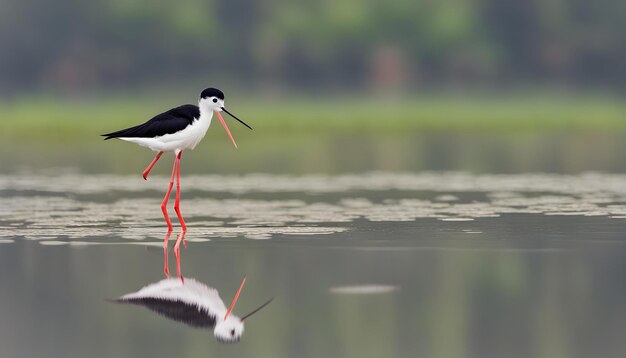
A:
[180,238]
[177,202]
[149,168]
[166,269]
[167,196]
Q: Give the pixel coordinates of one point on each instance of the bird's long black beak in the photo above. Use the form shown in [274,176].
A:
[240,121]
[258,309]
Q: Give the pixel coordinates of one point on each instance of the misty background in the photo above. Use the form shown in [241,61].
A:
[486,86]
[323,47]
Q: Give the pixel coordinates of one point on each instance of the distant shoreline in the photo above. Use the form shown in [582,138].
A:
[67,119]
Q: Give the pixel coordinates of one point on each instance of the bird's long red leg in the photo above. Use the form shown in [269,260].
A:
[166,269]
[149,168]
[177,202]
[180,237]
[167,196]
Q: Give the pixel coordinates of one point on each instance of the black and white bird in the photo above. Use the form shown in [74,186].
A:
[192,303]
[174,131]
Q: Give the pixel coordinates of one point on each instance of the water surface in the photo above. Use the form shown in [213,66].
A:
[432,264]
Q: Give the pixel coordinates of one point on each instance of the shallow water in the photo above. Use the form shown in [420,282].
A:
[381,264]
[262,151]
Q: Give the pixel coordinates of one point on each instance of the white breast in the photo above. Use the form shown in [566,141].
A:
[188,138]
[192,292]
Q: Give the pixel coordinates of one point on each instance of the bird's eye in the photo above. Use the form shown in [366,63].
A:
[232,332]
[214,100]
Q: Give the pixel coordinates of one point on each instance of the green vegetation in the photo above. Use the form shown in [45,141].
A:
[75,46]
[51,118]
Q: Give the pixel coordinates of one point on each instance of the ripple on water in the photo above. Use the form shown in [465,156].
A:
[371,289]
[75,206]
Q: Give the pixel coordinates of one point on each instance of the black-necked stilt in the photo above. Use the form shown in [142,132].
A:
[174,131]
[194,304]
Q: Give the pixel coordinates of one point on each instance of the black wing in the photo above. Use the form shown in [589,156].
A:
[186,313]
[169,122]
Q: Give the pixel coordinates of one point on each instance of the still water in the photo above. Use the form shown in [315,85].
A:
[428,263]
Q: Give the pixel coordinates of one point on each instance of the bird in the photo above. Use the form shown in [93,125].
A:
[194,304]
[177,130]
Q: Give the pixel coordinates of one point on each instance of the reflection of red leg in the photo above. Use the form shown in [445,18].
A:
[167,196]
[180,237]
[149,168]
[177,202]
[166,269]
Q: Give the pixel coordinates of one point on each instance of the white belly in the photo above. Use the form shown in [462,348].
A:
[187,138]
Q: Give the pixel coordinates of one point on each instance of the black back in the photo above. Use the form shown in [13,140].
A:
[186,313]
[172,121]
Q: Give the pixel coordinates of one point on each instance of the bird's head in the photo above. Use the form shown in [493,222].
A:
[212,100]
[230,328]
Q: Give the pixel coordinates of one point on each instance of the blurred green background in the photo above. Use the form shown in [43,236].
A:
[376,79]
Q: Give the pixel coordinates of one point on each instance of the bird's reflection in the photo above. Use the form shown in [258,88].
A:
[192,303]
[180,238]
